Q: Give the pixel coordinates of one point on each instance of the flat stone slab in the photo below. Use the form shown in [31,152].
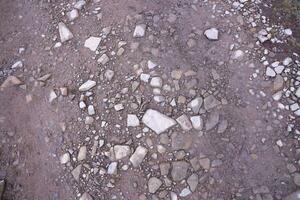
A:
[157,121]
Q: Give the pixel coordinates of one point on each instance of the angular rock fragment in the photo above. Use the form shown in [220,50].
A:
[138,156]
[10,81]
[64,33]
[87,85]
[82,153]
[179,170]
[212,120]
[121,151]
[139,30]
[210,102]
[86,196]
[154,184]
[76,172]
[195,104]
[157,121]
[92,43]
[184,122]
[132,120]
[197,122]
[212,34]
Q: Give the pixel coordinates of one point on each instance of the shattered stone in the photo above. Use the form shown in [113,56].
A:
[180,141]
[92,43]
[17,64]
[64,33]
[196,104]
[156,82]
[87,85]
[154,184]
[119,107]
[112,168]
[212,120]
[76,172]
[237,55]
[179,170]
[65,158]
[212,34]
[184,122]
[151,65]
[138,156]
[222,126]
[86,196]
[197,122]
[121,151]
[73,14]
[185,192]
[164,168]
[52,96]
[270,72]
[157,121]
[103,59]
[89,120]
[109,74]
[10,81]
[204,163]
[82,153]
[91,110]
[210,102]
[79,4]
[139,31]
[132,120]
[193,182]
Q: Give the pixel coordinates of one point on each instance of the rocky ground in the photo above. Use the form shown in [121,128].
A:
[153,99]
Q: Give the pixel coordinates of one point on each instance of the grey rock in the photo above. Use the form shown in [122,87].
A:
[212,34]
[82,153]
[86,196]
[297,179]
[184,122]
[293,196]
[154,184]
[138,156]
[76,172]
[139,30]
[222,126]
[157,121]
[210,102]
[185,192]
[204,163]
[212,120]
[2,187]
[112,168]
[197,122]
[121,151]
[109,74]
[193,182]
[103,59]
[132,120]
[179,170]
[164,168]
[87,85]
[92,43]
[196,104]
[64,33]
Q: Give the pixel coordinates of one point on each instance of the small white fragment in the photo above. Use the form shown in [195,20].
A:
[132,120]
[92,43]
[17,64]
[87,85]
[139,30]
[64,33]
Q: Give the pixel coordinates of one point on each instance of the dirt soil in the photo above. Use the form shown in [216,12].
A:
[243,148]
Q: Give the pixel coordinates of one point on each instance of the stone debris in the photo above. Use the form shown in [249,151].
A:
[197,122]
[18,64]
[52,96]
[138,156]
[82,153]
[65,158]
[156,82]
[132,120]
[121,151]
[212,120]
[112,168]
[92,43]
[184,122]
[154,184]
[89,84]
[139,31]
[212,34]
[179,170]
[86,196]
[80,4]
[76,172]
[210,102]
[103,59]
[73,14]
[157,121]
[64,33]
[196,104]
[10,81]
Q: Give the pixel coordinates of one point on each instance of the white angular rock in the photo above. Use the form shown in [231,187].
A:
[119,107]
[185,192]
[121,151]
[79,4]
[65,158]
[197,122]
[73,14]
[86,196]
[112,168]
[145,77]
[87,85]
[138,156]
[237,55]
[64,33]
[212,34]
[270,72]
[92,43]
[109,74]
[195,104]
[154,184]
[151,65]
[82,105]
[82,153]
[157,121]
[76,172]
[210,102]
[103,59]
[132,120]
[91,110]
[139,30]
[52,96]
[184,122]
[156,82]
[17,64]
[298,92]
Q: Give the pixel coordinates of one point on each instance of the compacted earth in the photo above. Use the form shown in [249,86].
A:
[149,99]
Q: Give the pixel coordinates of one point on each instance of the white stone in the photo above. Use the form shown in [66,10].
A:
[154,184]
[277,96]
[139,30]
[212,34]
[288,32]
[109,74]
[64,33]
[145,77]
[52,96]
[121,151]
[17,64]
[82,105]
[82,153]
[298,92]
[173,196]
[156,82]
[92,43]
[195,104]
[79,4]
[287,61]
[103,59]
[119,107]
[270,72]
[87,85]
[237,55]
[184,122]
[157,121]
[91,110]
[112,168]
[86,196]
[65,158]
[197,122]
[132,120]
[138,156]
[151,65]
[279,69]
[73,14]
[185,192]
